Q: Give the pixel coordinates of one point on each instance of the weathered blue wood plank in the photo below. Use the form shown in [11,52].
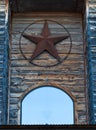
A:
[3,62]
[91,39]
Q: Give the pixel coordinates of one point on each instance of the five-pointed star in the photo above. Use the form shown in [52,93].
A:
[45,42]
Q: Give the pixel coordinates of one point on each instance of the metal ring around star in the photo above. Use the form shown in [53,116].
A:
[70,46]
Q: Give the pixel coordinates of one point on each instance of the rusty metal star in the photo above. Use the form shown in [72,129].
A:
[45,42]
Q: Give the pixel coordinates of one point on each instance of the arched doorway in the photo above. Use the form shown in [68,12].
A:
[47,105]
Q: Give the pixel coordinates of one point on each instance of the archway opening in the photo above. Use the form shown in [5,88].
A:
[47,105]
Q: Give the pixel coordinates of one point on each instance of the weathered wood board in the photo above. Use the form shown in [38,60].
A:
[68,76]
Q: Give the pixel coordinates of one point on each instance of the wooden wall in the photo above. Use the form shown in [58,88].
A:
[68,76]
[4,41]
[91,58]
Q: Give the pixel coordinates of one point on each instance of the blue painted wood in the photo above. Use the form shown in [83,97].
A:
[4,40]
[91,39]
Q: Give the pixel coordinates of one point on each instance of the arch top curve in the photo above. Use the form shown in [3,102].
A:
[64,89]
[49,105]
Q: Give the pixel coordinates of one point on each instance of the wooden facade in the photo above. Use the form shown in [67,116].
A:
[68,76]
[4,41]
[91,54]
[75,75]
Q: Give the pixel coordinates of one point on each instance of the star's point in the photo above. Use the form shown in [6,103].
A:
[45,42]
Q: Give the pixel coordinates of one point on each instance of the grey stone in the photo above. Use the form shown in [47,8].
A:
[13,122]
[16,90]
[14,100]
[13,114]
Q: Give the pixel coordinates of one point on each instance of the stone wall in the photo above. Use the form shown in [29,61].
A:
[68,76]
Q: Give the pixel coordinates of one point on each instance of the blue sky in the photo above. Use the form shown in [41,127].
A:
[47,105]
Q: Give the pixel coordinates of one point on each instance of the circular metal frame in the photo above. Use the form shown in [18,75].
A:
[70,46]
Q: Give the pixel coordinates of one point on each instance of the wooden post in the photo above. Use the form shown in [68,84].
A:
[91,57]
[4,39]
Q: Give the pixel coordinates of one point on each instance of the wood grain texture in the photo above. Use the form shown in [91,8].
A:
[68,76]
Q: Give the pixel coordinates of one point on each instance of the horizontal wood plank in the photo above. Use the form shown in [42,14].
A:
[25,76]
